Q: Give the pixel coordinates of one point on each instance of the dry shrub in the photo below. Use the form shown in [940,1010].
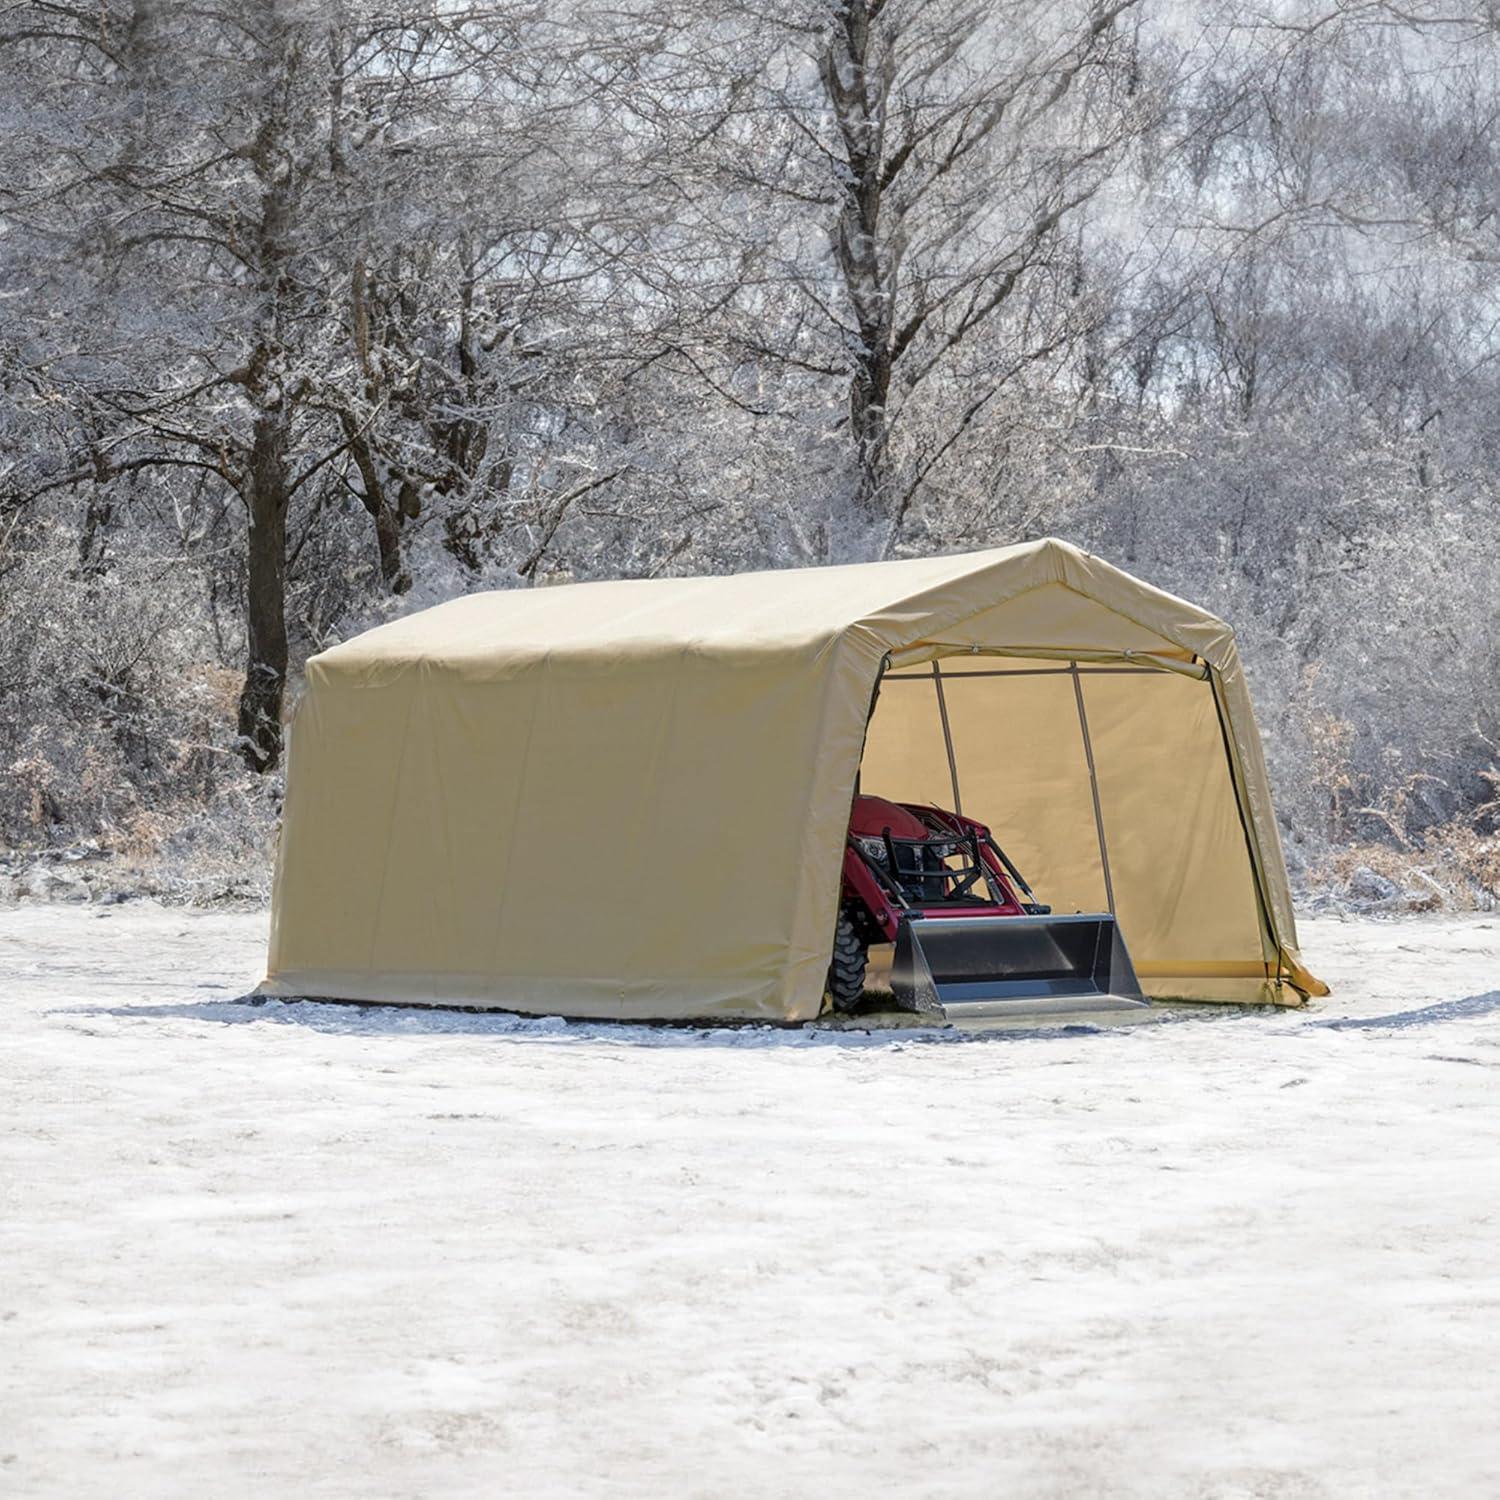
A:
[1450,866]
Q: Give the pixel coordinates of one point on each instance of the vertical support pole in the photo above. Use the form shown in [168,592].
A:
[937,682]
[1088,752]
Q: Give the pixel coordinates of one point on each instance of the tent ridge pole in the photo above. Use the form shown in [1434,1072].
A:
[1088,752]
[937,682]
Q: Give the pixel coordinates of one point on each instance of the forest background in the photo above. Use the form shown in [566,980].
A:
[313,313]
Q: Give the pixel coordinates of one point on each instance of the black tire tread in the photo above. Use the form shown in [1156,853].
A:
[846,968]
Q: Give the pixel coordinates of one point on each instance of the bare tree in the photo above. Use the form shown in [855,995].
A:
[312,311]
[894,190]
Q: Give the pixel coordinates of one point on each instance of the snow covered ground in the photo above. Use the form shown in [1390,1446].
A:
[317,1251]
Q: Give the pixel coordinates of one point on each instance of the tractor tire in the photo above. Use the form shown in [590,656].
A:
[846,970]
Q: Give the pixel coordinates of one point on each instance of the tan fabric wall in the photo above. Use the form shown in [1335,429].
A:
[578,839]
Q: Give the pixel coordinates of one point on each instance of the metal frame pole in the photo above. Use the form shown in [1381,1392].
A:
[937,682]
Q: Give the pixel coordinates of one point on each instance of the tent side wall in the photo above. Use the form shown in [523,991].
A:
[599,835]
[1247,760]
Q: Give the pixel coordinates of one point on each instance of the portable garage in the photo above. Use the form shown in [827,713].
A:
[629,799]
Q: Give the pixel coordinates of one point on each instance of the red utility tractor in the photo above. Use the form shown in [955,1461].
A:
[971,939]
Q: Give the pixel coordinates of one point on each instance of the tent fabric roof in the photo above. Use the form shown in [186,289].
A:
[629,799]
[893,603]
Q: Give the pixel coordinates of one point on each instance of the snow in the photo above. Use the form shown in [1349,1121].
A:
[357,1252]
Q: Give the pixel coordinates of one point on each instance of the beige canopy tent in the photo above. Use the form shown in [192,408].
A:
[630,799]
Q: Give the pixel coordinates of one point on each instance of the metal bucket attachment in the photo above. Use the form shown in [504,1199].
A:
[963,967]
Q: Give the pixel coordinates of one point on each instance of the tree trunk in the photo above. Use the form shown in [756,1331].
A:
[857,87]
[98,515]
[464,440]
[266,498]
[387,517]
[393,571]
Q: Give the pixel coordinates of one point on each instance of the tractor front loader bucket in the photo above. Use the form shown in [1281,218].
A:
[1002,967]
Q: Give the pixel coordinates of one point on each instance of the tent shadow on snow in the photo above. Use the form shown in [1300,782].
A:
[345,1019]
[1464,1009]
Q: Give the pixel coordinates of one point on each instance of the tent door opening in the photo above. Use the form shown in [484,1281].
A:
[1012,957]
